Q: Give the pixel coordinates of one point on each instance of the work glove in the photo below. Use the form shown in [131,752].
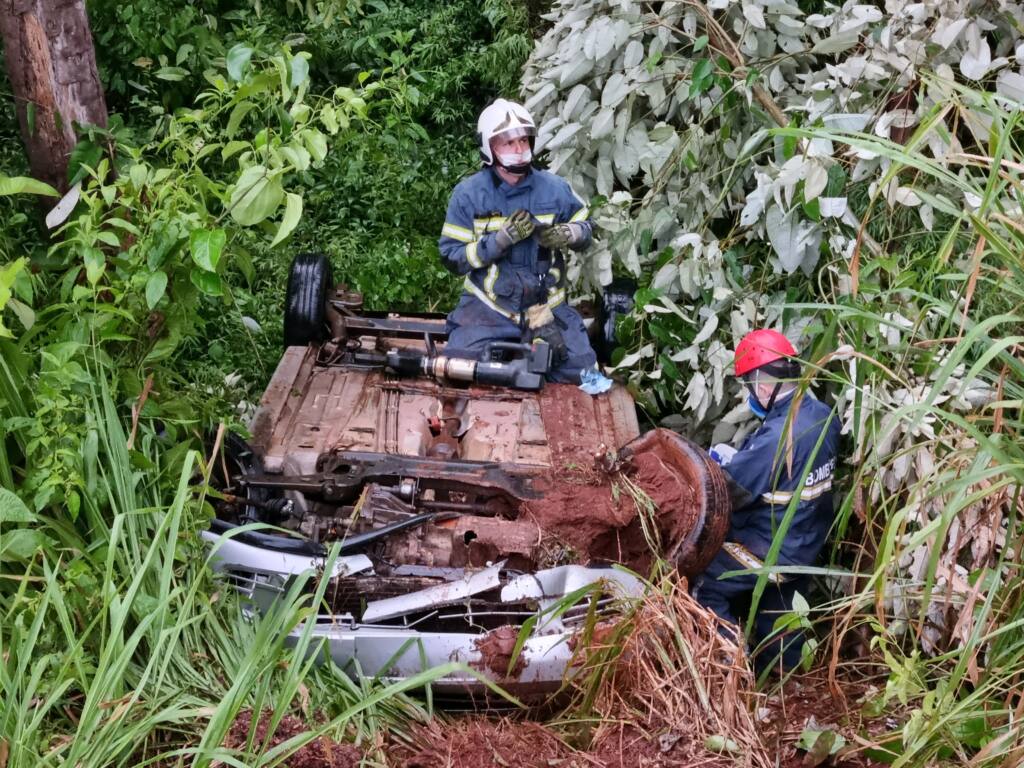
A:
[516,228]
[544,327]
[560,236]
[552,336]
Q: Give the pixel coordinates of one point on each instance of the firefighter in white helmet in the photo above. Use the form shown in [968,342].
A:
[506,229]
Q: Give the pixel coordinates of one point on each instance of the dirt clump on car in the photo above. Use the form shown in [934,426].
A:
[598,512]
[319,752]
[496,651]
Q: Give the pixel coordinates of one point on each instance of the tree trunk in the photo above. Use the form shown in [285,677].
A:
[52,67]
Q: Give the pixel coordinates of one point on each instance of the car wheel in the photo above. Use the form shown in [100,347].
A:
[692,532]
[616,301]
[305,303]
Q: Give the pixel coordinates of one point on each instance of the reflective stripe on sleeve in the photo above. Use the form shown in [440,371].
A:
[455,232]
[748,559]
[580,215]
[472,257]
[807,493]
[483,226]
[490,280]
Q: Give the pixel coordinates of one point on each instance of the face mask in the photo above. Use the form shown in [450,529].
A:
[516,162]
[756,407]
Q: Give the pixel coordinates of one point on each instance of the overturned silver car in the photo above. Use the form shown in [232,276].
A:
[469,497]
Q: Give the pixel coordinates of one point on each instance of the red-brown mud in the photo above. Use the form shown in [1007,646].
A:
[626,746]
[318,753]
[479,742]
[806,701]
[594,513]
[496,648]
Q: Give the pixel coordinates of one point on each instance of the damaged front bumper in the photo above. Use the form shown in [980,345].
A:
[466,615]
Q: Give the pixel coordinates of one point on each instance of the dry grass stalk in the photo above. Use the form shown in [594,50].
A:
[678,679]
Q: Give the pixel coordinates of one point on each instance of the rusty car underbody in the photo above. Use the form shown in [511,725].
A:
[423,480]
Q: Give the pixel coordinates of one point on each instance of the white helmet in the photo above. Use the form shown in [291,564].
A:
[503,118]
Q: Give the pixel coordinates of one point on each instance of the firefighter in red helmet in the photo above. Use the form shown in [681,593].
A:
[784,468]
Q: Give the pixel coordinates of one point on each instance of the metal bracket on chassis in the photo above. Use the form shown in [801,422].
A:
[344,475]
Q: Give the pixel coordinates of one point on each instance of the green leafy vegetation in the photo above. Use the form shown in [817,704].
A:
[152,312]
[242,134]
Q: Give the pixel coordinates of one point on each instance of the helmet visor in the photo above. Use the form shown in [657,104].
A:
[515,132]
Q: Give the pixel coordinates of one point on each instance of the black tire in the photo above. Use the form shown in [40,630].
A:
[305,301]
[695,533]
[616,301]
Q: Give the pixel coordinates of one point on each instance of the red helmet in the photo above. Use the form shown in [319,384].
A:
[761,347]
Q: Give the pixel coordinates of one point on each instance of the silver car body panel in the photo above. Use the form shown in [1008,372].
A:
[392,653]
[473,583]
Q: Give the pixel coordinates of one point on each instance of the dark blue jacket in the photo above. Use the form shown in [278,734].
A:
[526,274]
[767,474]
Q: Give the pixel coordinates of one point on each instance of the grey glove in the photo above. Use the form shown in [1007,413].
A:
[516,228]
[561,236]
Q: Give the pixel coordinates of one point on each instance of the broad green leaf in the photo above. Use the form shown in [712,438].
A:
[23,543]
[282,72]
[165,242]
[206,246]
[232,148]
[138,174]
[109,238]
[8,276]
[155,288]
[120,223]
[237,115]
[256,196]
[23,312]
[183,53]
[13,509]
[23,185]
[316,143]
[292,214]
[173,74]
[95,264]
[837,181]
[207,282]
[300,112]
[820,745]
[329,117]
[300,69]
[237,60]
[297,156]
[800,606]
[166,345]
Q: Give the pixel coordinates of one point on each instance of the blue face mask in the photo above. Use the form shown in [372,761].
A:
[756,407]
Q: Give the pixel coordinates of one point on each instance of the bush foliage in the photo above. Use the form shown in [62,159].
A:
[849,174]
[239,135]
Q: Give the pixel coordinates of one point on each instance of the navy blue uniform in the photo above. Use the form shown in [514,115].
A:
[767,478]
[499,287]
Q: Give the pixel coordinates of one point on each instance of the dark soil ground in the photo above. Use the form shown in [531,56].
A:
[319,753]
[476,741]
[483,741]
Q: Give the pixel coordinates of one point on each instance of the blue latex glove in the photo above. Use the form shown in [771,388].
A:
[722,453]
[593,382]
